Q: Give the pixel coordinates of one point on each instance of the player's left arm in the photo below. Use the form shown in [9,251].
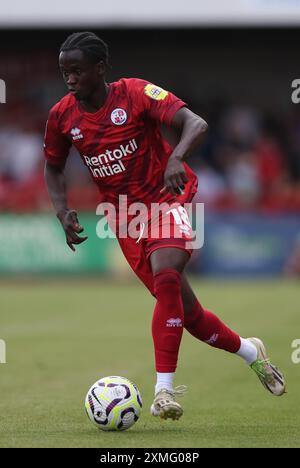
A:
[190,129]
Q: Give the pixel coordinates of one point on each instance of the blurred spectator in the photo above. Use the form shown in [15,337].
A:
[21,150]
[212,185]
[240,127]
[243,178]
[270,164]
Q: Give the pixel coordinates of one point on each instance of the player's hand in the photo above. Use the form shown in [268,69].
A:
[175,177]
[71,226]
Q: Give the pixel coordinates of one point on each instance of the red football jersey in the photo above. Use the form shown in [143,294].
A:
[121,144]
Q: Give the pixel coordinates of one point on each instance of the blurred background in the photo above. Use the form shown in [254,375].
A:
[233,62]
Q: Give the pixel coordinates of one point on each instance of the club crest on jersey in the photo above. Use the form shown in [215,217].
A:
[76,134]
[118,116]
[155,92]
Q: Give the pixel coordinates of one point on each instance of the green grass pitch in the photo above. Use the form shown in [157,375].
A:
[61,336]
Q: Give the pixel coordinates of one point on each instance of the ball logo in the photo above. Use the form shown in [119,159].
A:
[155,92]
[118,116]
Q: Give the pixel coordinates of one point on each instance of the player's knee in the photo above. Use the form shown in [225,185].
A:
[168,280]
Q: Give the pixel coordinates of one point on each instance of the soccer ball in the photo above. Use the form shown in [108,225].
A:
[113,403]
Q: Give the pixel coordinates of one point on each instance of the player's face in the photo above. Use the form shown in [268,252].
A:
[82,77]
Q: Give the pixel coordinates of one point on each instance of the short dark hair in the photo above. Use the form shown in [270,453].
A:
[94,48]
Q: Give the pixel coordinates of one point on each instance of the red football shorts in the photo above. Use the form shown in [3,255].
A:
[170,228]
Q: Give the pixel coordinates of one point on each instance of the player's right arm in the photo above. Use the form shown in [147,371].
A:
[56,186]
[56,149]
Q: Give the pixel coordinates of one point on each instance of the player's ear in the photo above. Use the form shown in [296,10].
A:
[101,68]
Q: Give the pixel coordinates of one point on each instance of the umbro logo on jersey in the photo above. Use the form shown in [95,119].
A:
[76,133]
[174,322]
[118,116]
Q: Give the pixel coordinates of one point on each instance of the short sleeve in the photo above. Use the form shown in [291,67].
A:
[56,145]
[157,103]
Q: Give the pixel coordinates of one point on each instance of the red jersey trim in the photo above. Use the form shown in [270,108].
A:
[172,111]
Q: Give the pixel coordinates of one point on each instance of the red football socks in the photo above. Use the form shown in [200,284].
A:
[168,318]
[205,326]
